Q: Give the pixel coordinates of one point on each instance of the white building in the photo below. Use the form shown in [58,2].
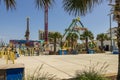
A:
[113,37]
[107,43]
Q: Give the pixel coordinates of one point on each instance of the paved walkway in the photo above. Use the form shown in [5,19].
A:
[65,66]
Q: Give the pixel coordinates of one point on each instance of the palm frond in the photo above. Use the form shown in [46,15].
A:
[43,3]
[10,4]
[79,7]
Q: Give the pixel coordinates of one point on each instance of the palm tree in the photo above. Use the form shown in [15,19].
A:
[72,39]
[87,35]
[55,36]
[102,37]
[10,4]
[117,18]
[50,38]
[79,7]
[45,4]
[68,38]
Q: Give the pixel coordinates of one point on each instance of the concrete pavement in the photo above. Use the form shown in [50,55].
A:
[65,66]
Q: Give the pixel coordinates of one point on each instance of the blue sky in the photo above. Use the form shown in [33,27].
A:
[13,22]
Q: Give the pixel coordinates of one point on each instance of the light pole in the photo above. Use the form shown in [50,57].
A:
[111,48]
[111,12]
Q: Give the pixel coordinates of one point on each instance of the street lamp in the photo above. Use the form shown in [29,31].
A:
[111,12]
[110,33]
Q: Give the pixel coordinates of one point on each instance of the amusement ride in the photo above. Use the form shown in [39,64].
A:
[76,27]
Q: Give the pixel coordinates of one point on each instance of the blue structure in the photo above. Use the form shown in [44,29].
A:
[30,43]
[15,74]
[62,52]
[12,72]
[115,51]
[90,51]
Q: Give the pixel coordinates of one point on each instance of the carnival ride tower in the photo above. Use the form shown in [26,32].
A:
[27,33]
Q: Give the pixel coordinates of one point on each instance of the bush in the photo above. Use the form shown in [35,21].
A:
[37,75]
[97,50]
[89,76]
[92,73]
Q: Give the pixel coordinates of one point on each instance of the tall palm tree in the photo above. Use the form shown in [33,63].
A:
[45,4]
[55,36]
[117,18]
[10,4]
[102,37]
[87,35]
[72,39]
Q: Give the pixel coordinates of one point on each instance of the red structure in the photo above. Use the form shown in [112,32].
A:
[46,23]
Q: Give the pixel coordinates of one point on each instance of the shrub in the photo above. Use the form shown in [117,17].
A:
[37,75]
[92,73]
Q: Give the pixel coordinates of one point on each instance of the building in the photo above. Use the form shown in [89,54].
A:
[113,37]
[26,43]
[50,47]
[107,43]
[42,34]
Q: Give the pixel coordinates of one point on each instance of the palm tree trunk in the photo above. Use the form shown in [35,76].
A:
[118,38]
[46,22]
[117,9]
[86,40]
[69,43]
[55,45]
[61,44]
[102,45]
[72,44]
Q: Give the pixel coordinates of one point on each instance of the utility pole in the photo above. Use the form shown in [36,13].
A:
[110,21]
[111,48]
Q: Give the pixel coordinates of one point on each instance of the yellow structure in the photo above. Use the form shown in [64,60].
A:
[20,51]
[65,45]
[10,55]
[1,53]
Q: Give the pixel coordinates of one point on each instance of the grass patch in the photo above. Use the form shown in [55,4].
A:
[93,72]
[38,75]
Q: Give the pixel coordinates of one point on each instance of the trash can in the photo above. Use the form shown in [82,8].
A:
[62,52]
[74,52]
[91,51]
[65,52]
[12,72]
[115,51]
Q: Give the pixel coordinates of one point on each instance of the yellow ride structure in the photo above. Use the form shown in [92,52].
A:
[75,27]
[8,54]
